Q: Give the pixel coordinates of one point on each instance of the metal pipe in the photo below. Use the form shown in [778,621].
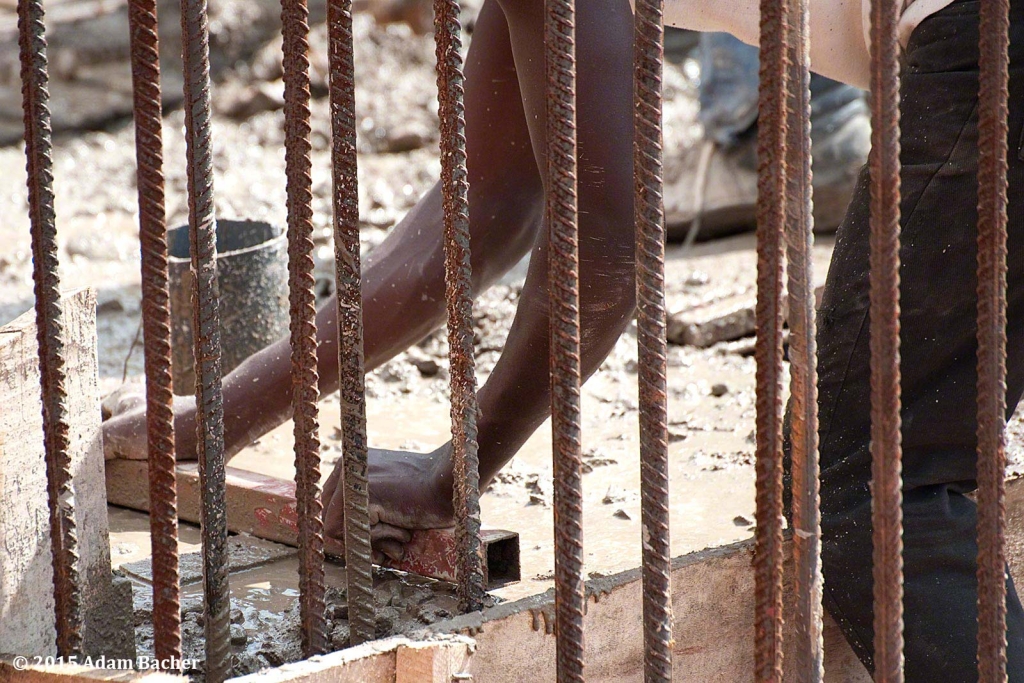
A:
[206,334]
[772,133]
[652,345]
[305,380]
[886,449]
[993,114]
[156,329]
[358,562]
[67,585]
[561,215]
[807,666]
[459,298]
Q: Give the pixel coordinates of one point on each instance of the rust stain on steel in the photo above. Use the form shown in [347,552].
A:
[305,380]
[652,344]
[459,298]
[156,329]
[436,553]
[807,665]
[886,448]
[993,113]
[358,562]
[67,587]
[771,220]
[564,320]
[206,326]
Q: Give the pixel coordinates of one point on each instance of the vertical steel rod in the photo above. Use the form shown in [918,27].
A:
[563,290]
[206,331]
[649,208]
[459,297]
[807,666]
[993,114]
[156,329]
[886,448]
[67,588]
[305,380]
[358,562]
[771,220]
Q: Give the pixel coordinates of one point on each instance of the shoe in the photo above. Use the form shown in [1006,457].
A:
[711,188]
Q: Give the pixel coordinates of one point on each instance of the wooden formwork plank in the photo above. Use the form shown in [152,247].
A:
[394,660]
[442,659]
[431,662]
[264,507]
[26,568]
[713,593]
[15,671]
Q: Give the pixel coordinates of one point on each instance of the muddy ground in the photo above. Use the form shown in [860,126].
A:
[711,390]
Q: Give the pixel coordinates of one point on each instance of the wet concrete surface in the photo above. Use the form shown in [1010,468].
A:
[265,622]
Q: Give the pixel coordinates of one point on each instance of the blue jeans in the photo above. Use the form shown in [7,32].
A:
[728,91]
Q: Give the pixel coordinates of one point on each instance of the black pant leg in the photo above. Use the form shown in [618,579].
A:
[939,215]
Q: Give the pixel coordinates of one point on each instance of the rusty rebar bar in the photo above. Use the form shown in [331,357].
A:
[156,329]
[772,134]
[305,379]
[652,345]
[459,297]
[67,587]
[807,665]
[358,562]
[993,114]
[562,217]
[206,331]
[886,449]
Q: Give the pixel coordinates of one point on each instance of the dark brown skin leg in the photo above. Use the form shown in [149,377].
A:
[403,291]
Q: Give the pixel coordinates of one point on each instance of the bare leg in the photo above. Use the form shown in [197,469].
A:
[403,281]
[410,490]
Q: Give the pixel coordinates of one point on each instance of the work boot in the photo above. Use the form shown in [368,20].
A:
[711,188]
[718,183]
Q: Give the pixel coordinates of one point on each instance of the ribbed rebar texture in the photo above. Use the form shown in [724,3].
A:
[206,331]
[156,329]
[67,587]
[358,563]
[807,665]
[305,380]
[771,219]
[459,297]
[993,114]
[649,208]
[562,216]
[886,449]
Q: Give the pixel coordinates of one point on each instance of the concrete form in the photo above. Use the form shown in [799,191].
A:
[26,583]
[713,609]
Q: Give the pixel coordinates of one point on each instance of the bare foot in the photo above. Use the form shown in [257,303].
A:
[408,491]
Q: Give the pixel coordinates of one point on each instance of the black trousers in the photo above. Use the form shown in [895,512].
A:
[939,217]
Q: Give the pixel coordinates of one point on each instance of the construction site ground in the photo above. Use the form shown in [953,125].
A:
[711,390]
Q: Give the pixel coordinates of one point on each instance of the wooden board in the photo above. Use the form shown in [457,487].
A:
[713,608]
[26,584]
[265,507]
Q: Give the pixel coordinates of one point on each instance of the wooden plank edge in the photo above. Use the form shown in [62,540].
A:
[265,507]
[713,625]
[397,660]
[16,670]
